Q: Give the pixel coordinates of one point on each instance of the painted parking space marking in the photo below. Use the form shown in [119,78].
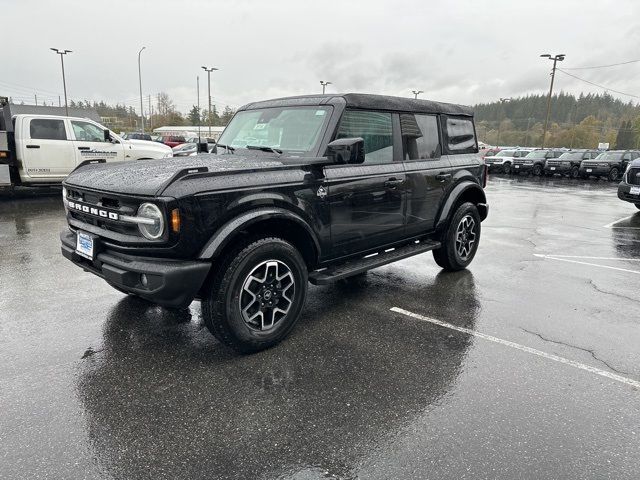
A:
[570,260]
[613,259]
[615,222]
[523,348]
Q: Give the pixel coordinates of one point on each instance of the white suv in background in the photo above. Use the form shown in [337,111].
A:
[503,160]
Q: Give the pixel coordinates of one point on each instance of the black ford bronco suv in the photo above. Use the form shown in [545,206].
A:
[534,161]
[301,189]
[569,162]
[609,164]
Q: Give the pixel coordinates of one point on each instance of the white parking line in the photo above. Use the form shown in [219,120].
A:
[613,224]
[523,348]
[559,259]
[616,259]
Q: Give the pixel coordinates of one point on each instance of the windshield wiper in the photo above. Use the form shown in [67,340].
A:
[264,149]
[226,147]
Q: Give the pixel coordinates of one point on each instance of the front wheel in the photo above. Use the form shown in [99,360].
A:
[460,239]
[538,170]
[575,172]
[506,168]
[637,205]
[257,295]
[614,174]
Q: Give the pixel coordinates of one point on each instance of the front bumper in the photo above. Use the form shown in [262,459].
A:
[172,283]
[560,169]
[623,193]
[521,167]
[595,171]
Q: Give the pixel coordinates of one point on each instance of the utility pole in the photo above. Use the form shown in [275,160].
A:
[324,85]
[209,70]
[199,119]
[62,53]
[416,93]
[556,58]
[150,116]
[35,95]
[140,82]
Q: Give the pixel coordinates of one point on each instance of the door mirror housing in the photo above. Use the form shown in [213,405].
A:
[346,150]
[107,135]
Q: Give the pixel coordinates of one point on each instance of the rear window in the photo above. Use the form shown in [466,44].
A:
[47,129]
[461,137]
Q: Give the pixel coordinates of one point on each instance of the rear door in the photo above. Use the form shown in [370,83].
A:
[46,150]
[90,144]
[429,174]
[366,201]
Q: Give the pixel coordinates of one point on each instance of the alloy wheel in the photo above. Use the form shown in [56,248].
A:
[466,237]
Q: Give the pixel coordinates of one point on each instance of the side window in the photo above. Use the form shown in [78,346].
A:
[627,156]
[87,132]
[634,155]
[419,136]
[460,135]
[376,130]
[557,154]
[45,129]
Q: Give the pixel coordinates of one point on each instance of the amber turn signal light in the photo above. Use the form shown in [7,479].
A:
[175,220]
[3,155]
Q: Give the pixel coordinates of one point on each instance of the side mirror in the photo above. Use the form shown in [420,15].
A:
[107,135]
[346,150]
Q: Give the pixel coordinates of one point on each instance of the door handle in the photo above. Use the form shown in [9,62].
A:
[443,177]
[84,148]
[33,146]
[393,183]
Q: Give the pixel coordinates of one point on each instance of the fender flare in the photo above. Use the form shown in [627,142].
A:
[221,237]
[453,197]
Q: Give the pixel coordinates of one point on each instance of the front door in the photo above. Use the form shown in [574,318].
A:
[47,152]
[90,143]
[366,200]
[429,174]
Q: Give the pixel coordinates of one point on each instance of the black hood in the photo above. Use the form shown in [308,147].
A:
[151,177]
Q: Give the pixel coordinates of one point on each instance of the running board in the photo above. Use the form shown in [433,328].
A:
[362,264]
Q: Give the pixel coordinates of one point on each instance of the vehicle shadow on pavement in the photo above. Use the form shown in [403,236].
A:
[162,397]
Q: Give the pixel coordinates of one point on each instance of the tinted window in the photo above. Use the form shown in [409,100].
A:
[420,136]
[375,128]
[87,132]
[627,156]
[460,135]
[47,129]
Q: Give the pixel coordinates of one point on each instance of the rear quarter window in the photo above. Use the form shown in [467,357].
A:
[47,129]
[460,135]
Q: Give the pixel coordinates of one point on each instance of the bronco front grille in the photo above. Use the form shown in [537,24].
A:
[633,176]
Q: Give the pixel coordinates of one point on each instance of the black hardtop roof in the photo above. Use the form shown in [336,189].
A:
[366,101]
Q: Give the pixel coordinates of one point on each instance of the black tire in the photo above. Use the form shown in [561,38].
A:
[506,168]
[538,171]
[448,256]
[236,281]
[614,174]
[575,172]
[637,205]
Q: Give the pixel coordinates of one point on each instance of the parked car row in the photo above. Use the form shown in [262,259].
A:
[561,161]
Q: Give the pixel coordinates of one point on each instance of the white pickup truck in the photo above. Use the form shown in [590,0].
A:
[44,149]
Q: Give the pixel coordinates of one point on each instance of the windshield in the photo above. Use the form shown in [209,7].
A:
[505,153]
[537,154]
[294,130]
[572,156]
[610,156]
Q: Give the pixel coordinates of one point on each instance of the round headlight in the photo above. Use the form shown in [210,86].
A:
[154,230]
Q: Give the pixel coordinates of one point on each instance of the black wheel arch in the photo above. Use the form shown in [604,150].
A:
[270,221]
[465,191]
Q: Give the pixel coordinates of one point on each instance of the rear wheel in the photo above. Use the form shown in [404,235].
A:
[614,173]
[257,295]
[460,239]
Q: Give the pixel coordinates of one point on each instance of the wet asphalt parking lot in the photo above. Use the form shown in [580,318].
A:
[525,366]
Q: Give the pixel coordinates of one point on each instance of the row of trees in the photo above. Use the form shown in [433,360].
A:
[163,113]
[577,122]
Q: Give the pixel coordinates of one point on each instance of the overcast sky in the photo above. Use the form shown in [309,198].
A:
[457,51]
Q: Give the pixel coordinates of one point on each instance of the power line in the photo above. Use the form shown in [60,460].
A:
[599,86]
[604,66]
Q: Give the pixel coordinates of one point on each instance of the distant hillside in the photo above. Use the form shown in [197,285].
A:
[578,122]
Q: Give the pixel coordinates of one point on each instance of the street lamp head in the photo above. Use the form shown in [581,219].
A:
[546,55]
[60,52]
[207,69]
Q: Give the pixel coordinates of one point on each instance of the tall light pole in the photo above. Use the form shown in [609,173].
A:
[556,59]
[62,53]
[324,85]
[209,70]
[416,93]
[140,82]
